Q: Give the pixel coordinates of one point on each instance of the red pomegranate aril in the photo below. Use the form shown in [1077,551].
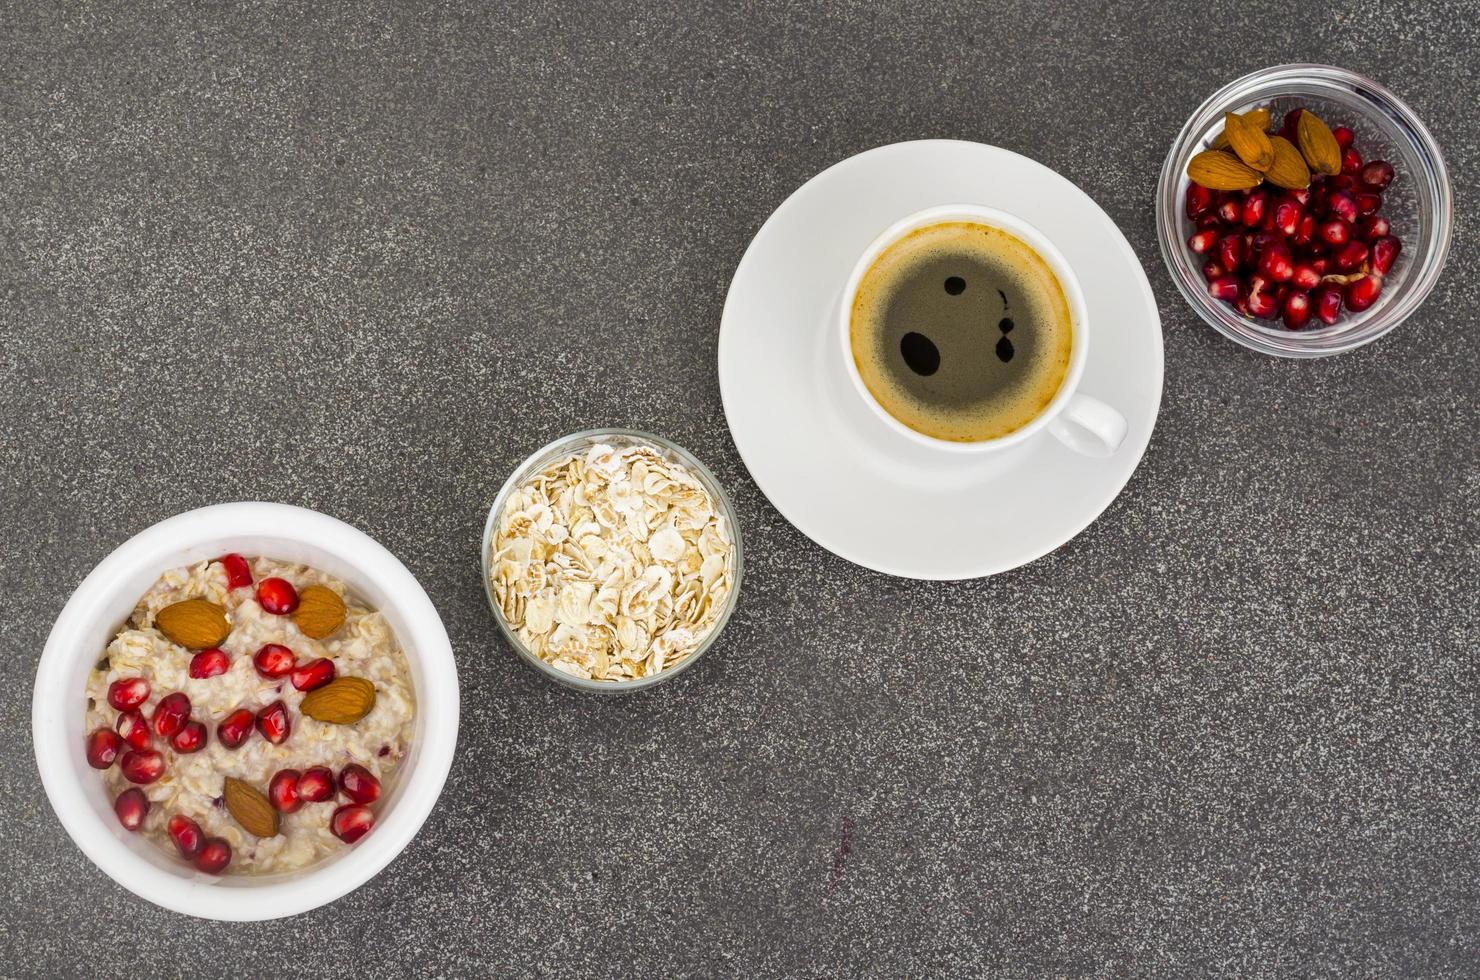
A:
[103,746]
[171,714]
[214,856]
[186,834]
[128,692]
[1296,309]
[277,596]
[1367,202]
[1344,137]
[1257,243]
[1385,249]
[282,790]
[1321,264]
[1230,252]
[1374,227]
[1201,241]
[351,822]
[238,572]
[1276,264]
[316,785]
[1327,301]
[1377,175]
[1260,301]
[1287,215]
[1229,211]
[1359,296]
[1335,232]
[1290,126]
[359,784]
[141,765]
[273,723]
[1212,270]
[1199,200]
[1209,220]
[1350,256]
[274,660]
[209,663]
[1305,231]
[135,730]
[1254,205]
[132,806]
[1351,162]
[1342,205]
[1305,277]
[235,728]
[1341,182]
[315,673]
[1226,288]
[1300,195]
[192,737]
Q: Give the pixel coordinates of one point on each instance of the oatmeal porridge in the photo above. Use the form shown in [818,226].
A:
[247,715]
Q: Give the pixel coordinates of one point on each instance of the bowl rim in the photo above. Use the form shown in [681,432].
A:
[727,507]
[1296,345]
[56,730]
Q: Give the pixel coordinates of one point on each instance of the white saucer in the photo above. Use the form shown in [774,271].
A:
[837,472]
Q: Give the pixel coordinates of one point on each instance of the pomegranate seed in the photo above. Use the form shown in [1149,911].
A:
[1305,232]
[1359,296]
[235,728]
[171,714]
[1225,288]
[274,660]
[1261,304]
[1377,175]
[1321,265]
[277,596]
[1301,195]
[1212,270]
[358,784]
[315,673]
[1351,162]
[1342,205]
[1296,309]
[103,745]
[351,822]
[273,723]
[1328,304]
[238,572]
[1261,241]
[132,806]
[186,834]
[1287,215]
[1275,263]
[1229,211]
[1230,252]
[1367,202]
[1350,256]
[282,790]
[1374,227]
[190,738]
[129,692]
[135,730]
[1209,220]
[385,750]
[209,663]
[214,856]
[1385,249]
[141,765]
[1306,276]
[316,785]
[1335,232]
[1292,120]
[1344,137]
[1201,241]
[1254,205]
[1199,200]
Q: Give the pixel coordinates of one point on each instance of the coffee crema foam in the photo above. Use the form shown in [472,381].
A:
[961,331]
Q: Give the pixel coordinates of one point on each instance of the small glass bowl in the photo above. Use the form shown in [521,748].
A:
[578,442]
[1419,203]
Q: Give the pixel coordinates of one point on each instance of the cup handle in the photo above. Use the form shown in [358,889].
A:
[1089,426]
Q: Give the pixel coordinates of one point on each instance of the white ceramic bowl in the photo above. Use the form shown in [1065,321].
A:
[99,607]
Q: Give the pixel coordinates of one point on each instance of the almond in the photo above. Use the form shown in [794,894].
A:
[251,808]
[342,701]
[194,624]
[1318,144]
[320,612]
[1248,141]
[1289,170]
[1220,171]
[1258,118]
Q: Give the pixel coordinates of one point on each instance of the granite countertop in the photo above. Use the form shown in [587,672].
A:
[366,259]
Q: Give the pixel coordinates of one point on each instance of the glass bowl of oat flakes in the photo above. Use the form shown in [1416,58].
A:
[611,560]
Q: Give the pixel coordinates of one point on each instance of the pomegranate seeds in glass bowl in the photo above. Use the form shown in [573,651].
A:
[1316,271]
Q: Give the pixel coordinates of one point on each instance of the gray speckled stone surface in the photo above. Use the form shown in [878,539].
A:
[1229,730]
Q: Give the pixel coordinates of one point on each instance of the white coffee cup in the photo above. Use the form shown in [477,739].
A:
[1081,422]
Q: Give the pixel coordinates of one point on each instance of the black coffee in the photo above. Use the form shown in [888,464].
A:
[961,331]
